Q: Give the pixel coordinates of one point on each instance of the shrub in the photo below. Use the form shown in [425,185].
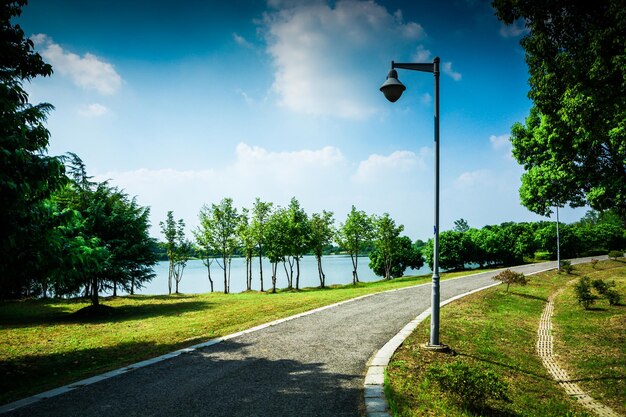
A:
[469,386]
[614,254]
[567,266]
[600,286]
[509,277]
[613,296]
[594,263]
[583,292]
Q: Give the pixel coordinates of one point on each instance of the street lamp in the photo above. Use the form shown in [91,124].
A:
[392,88]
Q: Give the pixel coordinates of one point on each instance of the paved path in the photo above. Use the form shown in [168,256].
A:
[310,366]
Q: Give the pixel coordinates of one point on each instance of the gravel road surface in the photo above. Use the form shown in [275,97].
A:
[310,366]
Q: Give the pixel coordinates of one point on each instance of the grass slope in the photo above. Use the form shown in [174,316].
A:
[48,343]
[495,330]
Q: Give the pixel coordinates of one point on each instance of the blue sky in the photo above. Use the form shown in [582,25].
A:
[184,104]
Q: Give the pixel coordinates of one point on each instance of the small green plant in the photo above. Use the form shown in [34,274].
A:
[614,254]
[594,263]
[567,266]
[613,296]
[468,385]
[607,290]
[583,292]
[509,277]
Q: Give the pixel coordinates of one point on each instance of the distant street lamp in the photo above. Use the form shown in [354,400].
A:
[392,88]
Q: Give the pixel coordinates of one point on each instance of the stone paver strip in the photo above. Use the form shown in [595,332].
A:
[545,349]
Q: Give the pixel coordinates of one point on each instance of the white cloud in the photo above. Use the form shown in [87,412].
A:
[326,56]
[241,41]
[93,110]
[514,30]
[88,71]
[478,178]
[502,144]
[397,164]
[422,54]
[446,67]
[321,179]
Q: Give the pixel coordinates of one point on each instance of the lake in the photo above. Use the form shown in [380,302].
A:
[338,270]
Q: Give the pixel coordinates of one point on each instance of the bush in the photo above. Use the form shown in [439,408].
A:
[613,296]
[509,277]
[468,385]
[607,290]
[567,266]
[614,254]
[594,263]
[583,292]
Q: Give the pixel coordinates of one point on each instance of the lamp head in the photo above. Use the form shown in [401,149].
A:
[392,88]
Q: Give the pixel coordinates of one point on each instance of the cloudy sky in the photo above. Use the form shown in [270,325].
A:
[183,104]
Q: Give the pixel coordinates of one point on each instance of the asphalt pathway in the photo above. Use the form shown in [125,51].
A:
[310,366]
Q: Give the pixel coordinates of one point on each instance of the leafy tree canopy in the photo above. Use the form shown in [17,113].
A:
[573,143]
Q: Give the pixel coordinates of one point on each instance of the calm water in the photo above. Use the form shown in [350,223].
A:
[338,270]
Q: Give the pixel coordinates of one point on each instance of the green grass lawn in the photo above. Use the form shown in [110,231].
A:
[44,345]
[495,330]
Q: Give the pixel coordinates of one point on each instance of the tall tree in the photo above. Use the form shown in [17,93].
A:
[405,255]
[353,235]
[277,247]
[218,223]
[260,216]
[27,175]
[572,143]
[386,242]
[178,249]
[322,235]
[299,232]
[247,244]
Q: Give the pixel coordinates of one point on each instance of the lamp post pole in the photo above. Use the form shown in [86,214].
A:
[392,89]
[558,242]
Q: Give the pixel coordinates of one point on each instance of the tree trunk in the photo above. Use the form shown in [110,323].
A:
[169,278]
[132,286]
[261,265]
[320,272]
[297,273]
[225,277]
[355,278]
[287,274]
[208,268]
[229,261]
[94,291]
[274,268]
[114,288]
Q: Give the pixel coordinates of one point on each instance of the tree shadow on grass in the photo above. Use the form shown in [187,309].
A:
[504,365]
[227,379]
[529,296]
[49,314]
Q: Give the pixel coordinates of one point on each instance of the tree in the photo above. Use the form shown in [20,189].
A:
[218,225]
[27,176]
[461,226]
[322,234]
[178,249]
[299,237]
[353,235]
[260,216]
[572,143]
[509,277]
[247,244]
[386,233]
[277,247]
[405,255]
